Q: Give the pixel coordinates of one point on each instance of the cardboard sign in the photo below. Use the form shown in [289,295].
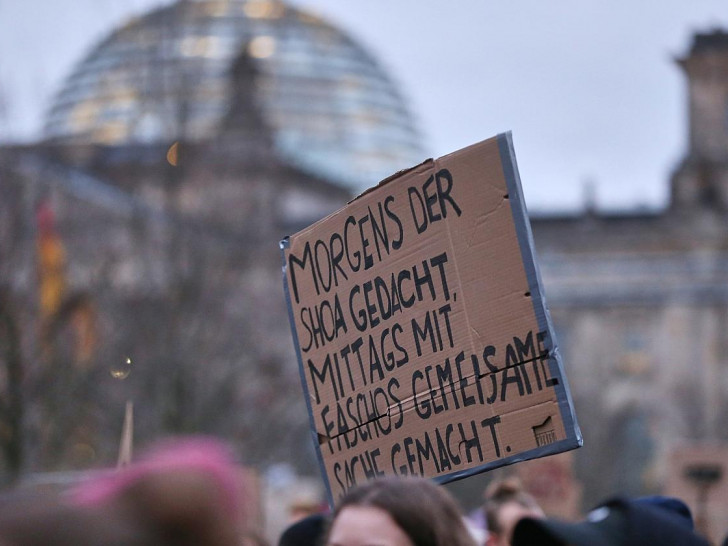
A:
[424,343]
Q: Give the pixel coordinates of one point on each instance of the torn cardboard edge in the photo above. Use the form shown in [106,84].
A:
[514,195]
[430,163]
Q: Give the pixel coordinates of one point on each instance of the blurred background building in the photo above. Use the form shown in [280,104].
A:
[139,257]
[140,238]
[640,306]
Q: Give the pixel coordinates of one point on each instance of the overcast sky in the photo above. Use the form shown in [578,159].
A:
[589,88]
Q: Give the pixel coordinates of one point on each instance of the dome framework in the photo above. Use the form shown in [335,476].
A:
[331,108]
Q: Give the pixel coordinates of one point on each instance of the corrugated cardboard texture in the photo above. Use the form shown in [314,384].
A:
[423,340]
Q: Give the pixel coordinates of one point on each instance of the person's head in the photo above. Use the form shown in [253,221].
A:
[302,509]
[251,538]
[506,503]
[617,522]
[304,532]
[183,494]
[398,512]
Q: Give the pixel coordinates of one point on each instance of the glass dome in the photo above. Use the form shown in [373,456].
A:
[331,108]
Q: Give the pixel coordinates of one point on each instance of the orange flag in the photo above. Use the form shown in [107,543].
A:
[58,307]
[51,263]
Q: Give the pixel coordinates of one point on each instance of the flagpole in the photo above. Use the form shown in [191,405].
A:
[126,446]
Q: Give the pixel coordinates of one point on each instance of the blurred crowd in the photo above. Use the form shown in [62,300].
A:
[187,493]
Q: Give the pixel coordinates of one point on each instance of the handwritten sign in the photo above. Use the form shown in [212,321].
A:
[424,343]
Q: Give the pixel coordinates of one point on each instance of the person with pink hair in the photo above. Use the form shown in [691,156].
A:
[184,492]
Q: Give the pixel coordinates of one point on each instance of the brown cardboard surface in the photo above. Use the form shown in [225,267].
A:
[424,343]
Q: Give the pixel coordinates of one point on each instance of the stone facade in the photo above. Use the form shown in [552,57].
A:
[640,306]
